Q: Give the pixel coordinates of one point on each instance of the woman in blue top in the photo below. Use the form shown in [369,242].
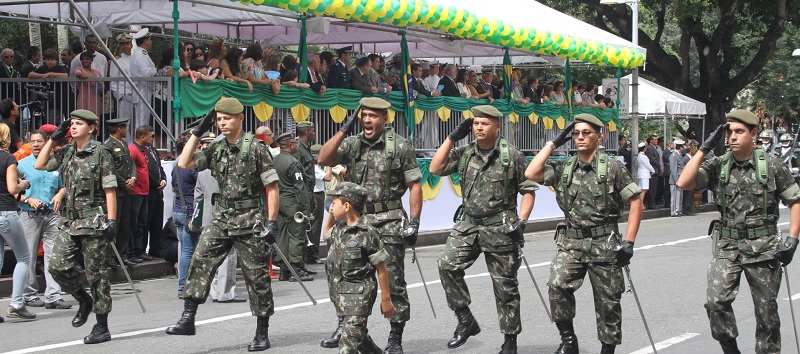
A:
[183,183]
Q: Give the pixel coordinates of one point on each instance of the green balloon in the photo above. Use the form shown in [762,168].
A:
[305,3]
[360,10]
[548,42]
[293,8]
[348,2]
[284,2]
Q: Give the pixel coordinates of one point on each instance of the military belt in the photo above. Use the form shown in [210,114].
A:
[85,213]
[590,232]
[748,233]
[239,204]
[379,207]
[495,219]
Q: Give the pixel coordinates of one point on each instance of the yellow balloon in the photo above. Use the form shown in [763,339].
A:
[340,13]
[338,3]
[294,2]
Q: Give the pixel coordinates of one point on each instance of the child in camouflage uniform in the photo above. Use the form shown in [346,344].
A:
[356,253]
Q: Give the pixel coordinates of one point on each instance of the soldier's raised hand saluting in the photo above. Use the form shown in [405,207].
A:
[205,124]
[564,136]
[462,130]
[713,138]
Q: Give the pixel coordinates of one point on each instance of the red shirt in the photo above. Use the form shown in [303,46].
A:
[142,185]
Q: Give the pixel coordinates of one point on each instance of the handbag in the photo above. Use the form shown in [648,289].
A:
[193,222]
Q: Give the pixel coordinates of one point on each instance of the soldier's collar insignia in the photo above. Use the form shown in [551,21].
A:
[351,243]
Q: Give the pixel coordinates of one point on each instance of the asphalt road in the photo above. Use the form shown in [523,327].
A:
[669,272]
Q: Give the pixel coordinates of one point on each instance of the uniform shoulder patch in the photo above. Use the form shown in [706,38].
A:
[351,243]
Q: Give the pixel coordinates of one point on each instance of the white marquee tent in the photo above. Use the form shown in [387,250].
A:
[656,101]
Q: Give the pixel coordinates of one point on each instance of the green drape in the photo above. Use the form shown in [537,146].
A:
[427,176]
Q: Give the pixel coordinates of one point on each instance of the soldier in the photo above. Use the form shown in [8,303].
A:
[294,199]
[386,165]
[87,171]
[121,89]
[749,184]
[305,138]
[244,171]
[592,190]
[765,139]
[125,171]
[142,66]
[355,255]
[492,175]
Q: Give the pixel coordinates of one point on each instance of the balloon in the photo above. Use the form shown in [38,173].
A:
[294,8]
[294,2]
[347,2]
[340,13]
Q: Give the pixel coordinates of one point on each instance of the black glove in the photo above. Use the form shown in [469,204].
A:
[61,131]
[713,138]
[271,231]
[349,125]
[624,253]
[517,232]
[462,131]
[110,233]
[565,135]
[205,124]
[787,251]
[411,232]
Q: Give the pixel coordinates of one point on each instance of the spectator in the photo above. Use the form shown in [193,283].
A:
[676,168]
[547,91]
[375,77]
[34,58]
[314,77]
[664,179]
[9,89]
[139,194]
[12,233]
[141,67]
[252,62]
[577,93]
[188,52]
[52,70]
[199,69]
[432,80]
[461,83]
[339,73]
[199,54]
[288,63]
[216,53]
[485,81]
[99,61]
[601,101]
[360,77]
[449,87]
[624,151]
[530,90]
[325,63]
[39,217]
[557,98]
[419,84]
[155,198]
[272,62]
[268,139]
[122,90]
[653,154]
[165,66]
[89,90]
[498,87]
[475,89]
[9,112]
[76,48]
[395,76]
[25,150]
[183,185]
[516,88]
[645,170]
[66,57]
[588,95]
[231,68]
[290,79]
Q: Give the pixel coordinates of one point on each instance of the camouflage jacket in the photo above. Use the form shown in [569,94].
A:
[744,200]
[124,167]
[484,193]
[82,173]
[291,182]
[307,162]
[354,253]
[370,171]
[231,172]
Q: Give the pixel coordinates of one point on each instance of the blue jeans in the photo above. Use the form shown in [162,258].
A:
[11,232]
[138,225]
[188,242]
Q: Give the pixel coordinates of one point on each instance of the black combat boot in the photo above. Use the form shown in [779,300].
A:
[84,307]
[730,347]
[608,349]
[569,342]
[261,340]
[100,331]
[305,269]
[333,341]
[369,347]
[395,344]
[300,273]
[285,273]
[467,326]
[185,326]
[510,345]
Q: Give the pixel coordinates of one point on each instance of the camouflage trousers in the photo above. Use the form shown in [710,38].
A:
[396,267]
[354,333]
[253,254]
[95,250]
[566,276]
[291,235]
[764,278]
[503,267]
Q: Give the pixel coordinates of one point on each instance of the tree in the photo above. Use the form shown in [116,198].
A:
[707,50]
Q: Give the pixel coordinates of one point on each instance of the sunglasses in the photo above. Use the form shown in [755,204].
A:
[585,132]
[8,56]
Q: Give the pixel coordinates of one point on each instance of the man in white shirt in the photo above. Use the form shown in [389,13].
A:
[99,61]
[121,89]
[432,81]
[142,66]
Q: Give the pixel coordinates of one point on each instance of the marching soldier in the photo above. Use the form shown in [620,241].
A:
[243,170]
[492,175]
[294,198]
[87,170]
[125,172]
[386,165]
[592,190]
[749,184]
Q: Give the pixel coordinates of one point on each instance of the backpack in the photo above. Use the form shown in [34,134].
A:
[93,164]
[246,144]
[762,176]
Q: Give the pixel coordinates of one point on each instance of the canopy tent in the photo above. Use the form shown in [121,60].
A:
[656,101]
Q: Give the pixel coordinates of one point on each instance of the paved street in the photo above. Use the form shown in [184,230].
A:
[669,271]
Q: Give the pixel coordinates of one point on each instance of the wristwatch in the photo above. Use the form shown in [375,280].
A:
[26,200]
[551,144]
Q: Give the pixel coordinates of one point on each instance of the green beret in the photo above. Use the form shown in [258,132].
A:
[283,137]
[305,124]
[207,137]
[229,106]
[375,103]
[117,121]
[354,192]
[588,118]
[486,111]
[742,116]
[315,148]
[86,115]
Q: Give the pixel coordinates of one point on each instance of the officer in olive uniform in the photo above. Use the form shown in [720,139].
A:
[374,157]
[749,184]
[592,190]
[243,169]
[492,174]
[125,170]
[305,138]
[87,169]
[294,198]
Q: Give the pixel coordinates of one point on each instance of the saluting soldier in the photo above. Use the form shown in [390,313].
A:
[592,190]
[87,170]
[125,172]
[243,169]
[492,174]
[386,165]
[749,184]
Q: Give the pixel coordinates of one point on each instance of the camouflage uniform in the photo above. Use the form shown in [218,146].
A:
[584,245]
[384,209]
[293,198]
[354,253]
[484,197]
[754,254]
[85,174]
[124,169]
[236,211]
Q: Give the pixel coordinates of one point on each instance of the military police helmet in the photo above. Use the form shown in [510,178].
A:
[786,137]
[767,134]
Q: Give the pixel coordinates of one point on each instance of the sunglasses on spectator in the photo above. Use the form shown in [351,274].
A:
[585,132]
[8,56]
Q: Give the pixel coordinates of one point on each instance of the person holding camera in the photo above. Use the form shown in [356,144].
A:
[492,174]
